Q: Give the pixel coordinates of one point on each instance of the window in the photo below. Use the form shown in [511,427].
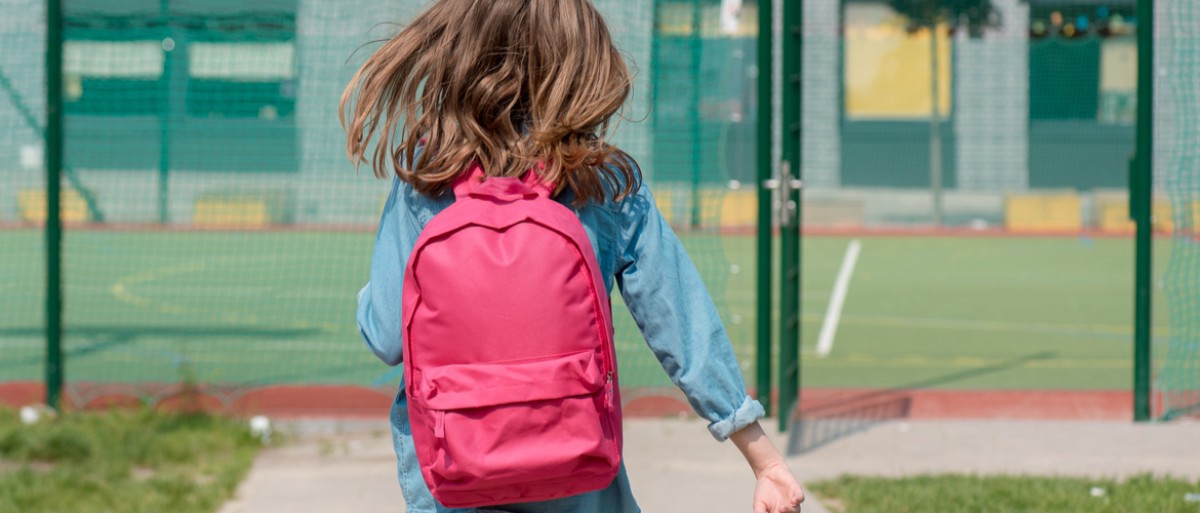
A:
[113,78]
[1083,61]
[887,68]
[242,80]
[185,82]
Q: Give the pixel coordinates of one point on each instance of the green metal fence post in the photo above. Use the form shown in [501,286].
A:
[766,112]
[935,130]
[1142,185]
[697,62]
[789,302]
[54,165]
[171,44]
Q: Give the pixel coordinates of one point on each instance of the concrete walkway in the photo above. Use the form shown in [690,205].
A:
[1049,448]
[676,467]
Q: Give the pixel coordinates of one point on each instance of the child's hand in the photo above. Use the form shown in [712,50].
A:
[777,491]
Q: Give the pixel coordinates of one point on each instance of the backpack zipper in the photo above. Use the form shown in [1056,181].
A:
[608,391]
[439,424]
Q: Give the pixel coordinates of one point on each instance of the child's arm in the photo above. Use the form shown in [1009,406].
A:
[672,307]
[379,301]
[777,490]
[678,319]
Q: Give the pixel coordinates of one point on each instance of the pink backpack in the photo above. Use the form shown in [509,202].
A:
[510,368]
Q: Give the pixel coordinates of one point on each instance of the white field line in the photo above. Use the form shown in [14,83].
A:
[838,299]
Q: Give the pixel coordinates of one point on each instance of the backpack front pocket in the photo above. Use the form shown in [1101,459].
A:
[500,424]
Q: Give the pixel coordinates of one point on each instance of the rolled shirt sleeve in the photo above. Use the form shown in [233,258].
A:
[679,321]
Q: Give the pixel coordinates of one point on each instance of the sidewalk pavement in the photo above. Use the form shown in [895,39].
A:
[334,466]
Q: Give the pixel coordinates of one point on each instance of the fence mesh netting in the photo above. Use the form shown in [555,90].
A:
[1177,110]
[217,235]
[966,170]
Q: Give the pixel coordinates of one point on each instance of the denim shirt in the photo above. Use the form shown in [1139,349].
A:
[638,253]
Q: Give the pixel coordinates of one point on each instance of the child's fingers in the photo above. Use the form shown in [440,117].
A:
[783,508]
[779,505]
[792,504]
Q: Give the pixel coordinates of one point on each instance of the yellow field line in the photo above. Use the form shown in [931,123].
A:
[121,290]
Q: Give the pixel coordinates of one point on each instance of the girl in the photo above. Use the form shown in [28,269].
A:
[509,84]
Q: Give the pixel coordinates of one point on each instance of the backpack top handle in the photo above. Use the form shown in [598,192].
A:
[476,184]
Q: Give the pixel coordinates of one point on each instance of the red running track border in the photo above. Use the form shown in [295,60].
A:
[362,402]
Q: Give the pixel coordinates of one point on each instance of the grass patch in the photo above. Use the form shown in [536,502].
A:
[122,461]
[1005,494]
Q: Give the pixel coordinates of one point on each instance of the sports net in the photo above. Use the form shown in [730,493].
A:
[1177,107]
[217,236]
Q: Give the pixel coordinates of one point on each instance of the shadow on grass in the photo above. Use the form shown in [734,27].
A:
[83,341]
[821,424]
[148,364]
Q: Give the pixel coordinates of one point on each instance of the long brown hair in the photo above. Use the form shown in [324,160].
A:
[507,83]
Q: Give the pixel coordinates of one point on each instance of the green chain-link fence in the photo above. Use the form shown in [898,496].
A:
[216,235]
[984,174]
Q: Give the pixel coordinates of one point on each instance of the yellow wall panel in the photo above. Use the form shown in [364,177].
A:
[31,204]
[1112,214]
[1043,213]
[887,69]
[231,212]
[739,209]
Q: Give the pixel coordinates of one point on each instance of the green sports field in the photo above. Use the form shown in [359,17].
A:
[266,308]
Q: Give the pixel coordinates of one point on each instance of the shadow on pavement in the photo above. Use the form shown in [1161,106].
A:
[817,425]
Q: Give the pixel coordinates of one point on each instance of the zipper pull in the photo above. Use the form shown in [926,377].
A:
[439,424]
[608,392]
